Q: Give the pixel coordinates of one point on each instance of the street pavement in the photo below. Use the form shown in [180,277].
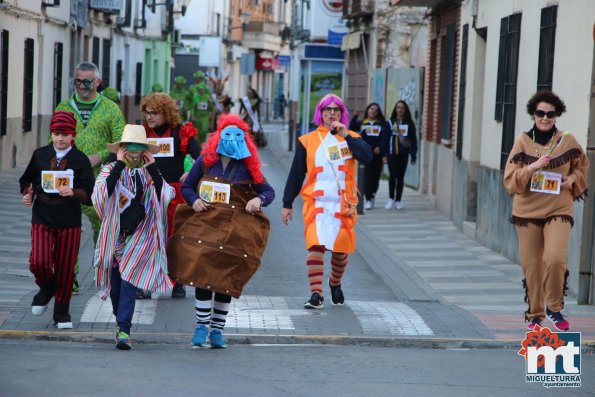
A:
[415,280]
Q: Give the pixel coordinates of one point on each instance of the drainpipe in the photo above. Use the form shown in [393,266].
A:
[40,79]
[474,12]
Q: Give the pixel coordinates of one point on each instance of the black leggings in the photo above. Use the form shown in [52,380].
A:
[205,294]
[397,165]
[372,173]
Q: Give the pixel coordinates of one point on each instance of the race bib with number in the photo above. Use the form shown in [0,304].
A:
[214,192]
[373,130]
[202,105]
[166,146]
[124,199]
[546,182]
[52,180]
[401,130]
[340,151]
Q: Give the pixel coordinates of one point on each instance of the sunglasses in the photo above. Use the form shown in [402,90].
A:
[550,115]
[85,82]
[331,109]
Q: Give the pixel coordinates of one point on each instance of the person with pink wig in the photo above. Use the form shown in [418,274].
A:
[327,158]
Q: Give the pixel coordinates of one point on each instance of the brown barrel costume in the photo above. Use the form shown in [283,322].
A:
[218,249]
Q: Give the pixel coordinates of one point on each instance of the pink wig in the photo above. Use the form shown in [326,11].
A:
[317,119]
[209,151]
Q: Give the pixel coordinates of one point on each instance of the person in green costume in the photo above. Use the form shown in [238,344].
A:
[202,106]
[99,121]
[112,94]
[182,97]
[156,88]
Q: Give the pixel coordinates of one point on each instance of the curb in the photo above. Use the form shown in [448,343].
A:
[588,346]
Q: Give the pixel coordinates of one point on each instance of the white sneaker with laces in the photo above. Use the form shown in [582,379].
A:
[398,205]
[368,205]
[389,204]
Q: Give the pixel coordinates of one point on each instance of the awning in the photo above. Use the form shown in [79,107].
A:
[351,41]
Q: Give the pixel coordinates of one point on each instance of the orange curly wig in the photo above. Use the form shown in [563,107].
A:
[162,103]
[209,151]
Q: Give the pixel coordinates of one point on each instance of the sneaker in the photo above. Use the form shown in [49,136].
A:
[200,336]
[558,319]
[64,325]
[398,205]
[368,205]
[337,297]
[41,301]
[62,318]
[179,291]
[533,323]
[142,294]
[75,287]
[123,341]
[217,340]
[316,302]
[389,204]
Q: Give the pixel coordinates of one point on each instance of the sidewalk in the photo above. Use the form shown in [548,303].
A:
[415,280]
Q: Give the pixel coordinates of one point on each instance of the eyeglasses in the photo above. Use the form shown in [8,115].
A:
[550,115]
[331,109]
[150,113]
[85,82]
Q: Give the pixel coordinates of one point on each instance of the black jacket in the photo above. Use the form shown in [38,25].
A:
[50,209]
[374,141]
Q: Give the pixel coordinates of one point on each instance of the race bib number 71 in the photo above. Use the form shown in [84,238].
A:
[546,182]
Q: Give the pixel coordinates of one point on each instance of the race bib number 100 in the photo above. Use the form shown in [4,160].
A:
[546,182]
[166,146]
[214,192]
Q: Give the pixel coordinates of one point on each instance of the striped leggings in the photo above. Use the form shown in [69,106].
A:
[52,258]
[315,267]
[211,312]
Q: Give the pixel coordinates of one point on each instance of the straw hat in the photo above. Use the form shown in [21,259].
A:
[133,133]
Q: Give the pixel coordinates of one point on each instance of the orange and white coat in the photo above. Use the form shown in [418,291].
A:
[324,225]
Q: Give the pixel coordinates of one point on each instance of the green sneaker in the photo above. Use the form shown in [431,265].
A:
[75,287]
[123,341]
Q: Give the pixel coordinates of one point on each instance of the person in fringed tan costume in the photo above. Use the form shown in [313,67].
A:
[545,172]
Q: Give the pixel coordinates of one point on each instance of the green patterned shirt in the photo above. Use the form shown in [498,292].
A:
[105,125]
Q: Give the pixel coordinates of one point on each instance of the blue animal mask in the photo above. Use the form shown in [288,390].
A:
[233,143]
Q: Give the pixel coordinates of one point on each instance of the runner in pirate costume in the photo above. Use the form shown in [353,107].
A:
[326,157]
[162,123]
[131,199]
[58,179]
[221,234]
[545,172]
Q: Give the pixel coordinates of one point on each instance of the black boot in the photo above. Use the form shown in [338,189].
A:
[62,316]
[42,298]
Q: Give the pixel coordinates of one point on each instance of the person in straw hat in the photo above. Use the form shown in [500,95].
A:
[131,199]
